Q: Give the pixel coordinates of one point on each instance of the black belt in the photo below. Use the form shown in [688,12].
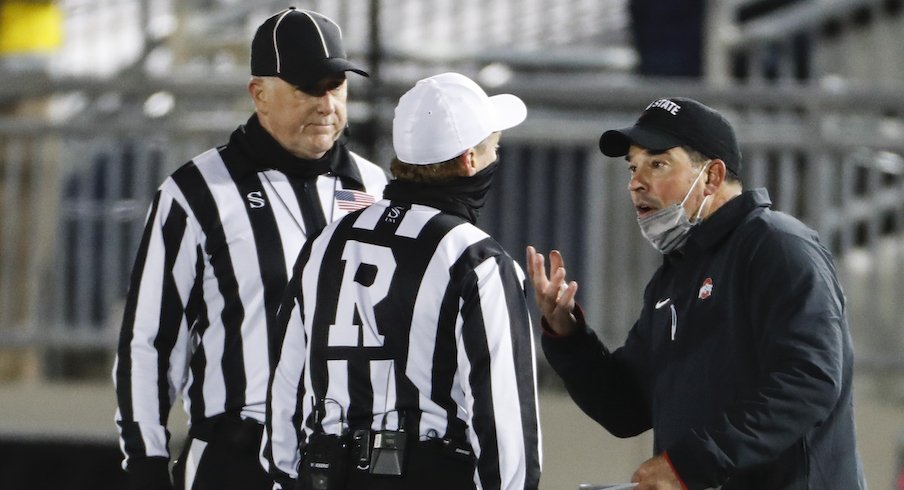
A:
[329,459]
[361,447]
[229,429]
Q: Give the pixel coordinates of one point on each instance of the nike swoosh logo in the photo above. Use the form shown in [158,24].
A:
[662,302]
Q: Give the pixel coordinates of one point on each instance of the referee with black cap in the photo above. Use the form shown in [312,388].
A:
[741,360]
[221,236]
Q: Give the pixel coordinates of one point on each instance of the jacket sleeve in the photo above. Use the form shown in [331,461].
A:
[283,433]
[153,353]
[608,387]
[497,359]
[796,310]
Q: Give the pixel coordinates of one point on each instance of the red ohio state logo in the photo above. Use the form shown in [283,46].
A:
[706,289]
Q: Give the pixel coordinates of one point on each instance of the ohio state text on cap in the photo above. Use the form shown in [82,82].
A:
[677,121]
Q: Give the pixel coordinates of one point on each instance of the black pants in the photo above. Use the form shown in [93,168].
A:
[227,460]
[428,465]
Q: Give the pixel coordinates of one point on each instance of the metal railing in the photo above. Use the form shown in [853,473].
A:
[829,40]
[73,195]
[74,188]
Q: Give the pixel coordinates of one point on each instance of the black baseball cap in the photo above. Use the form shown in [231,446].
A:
[677,121]
[301,47]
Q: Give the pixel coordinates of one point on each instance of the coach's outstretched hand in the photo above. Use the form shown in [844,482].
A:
[555,297]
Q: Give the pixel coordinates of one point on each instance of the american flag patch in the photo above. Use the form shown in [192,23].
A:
[351,200]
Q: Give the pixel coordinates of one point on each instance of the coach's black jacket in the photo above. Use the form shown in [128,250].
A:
[753,389]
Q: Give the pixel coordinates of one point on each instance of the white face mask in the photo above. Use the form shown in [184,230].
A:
[667,228]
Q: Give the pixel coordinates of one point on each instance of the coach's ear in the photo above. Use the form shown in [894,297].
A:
[715,176]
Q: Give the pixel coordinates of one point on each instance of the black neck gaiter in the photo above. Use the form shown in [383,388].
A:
[272,155]
[461,196]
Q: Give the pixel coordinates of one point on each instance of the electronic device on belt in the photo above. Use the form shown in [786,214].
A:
[389,446]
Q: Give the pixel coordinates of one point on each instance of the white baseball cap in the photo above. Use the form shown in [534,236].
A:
[443,116]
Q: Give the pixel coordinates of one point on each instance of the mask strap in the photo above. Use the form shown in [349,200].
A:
[700,210]
[695,183]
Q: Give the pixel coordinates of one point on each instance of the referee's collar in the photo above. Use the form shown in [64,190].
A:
[260,152]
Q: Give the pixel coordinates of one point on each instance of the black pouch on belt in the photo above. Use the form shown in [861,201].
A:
[388,454]
[324,465]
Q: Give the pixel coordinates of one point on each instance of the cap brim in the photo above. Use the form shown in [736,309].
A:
[339,65]
[510,111]
[325,68]
[617,142]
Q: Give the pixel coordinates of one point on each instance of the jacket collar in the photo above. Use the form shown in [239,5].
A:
[720,224]
[260,152]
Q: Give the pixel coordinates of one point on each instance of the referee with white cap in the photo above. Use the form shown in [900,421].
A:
[221,236]
[408,361]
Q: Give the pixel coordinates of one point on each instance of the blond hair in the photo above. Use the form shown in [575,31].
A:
[434,172]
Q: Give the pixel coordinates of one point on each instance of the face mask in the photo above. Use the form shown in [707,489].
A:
[667,228]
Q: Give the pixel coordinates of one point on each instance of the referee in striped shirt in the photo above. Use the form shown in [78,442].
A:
[408,360]
[222,234]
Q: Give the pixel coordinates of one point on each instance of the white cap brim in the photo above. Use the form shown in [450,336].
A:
[510,111]
[444,115]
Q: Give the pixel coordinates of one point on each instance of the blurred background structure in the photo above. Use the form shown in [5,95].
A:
[101,99]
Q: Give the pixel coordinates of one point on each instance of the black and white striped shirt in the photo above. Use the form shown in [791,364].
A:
[220,240]
[405,309]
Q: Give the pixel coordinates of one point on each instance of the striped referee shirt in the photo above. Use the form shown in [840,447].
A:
[404,309]
[222,234]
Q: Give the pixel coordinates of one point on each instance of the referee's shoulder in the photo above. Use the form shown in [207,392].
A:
[472,236]
[370,171]
[184,181]
[209,158]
